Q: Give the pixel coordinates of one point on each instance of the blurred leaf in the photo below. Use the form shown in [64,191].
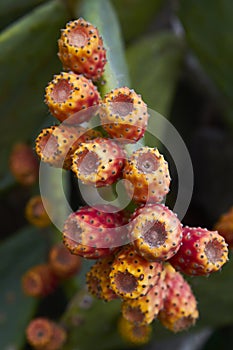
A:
[28,60]
[209,31]
[135,16]
[102,14]
[23,250]
[154,66]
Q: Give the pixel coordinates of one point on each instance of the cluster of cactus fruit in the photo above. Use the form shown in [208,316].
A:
[139,255]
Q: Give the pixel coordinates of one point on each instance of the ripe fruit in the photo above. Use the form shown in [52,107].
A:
[98,281]
[35,212]
[124,115]
[98,162]
[55,145]
[155,232]
[147,176]
[201,252]
[68,94]
[81,49]
[180,306]
[224,226]
[131,275]
[133,333]
[94,232]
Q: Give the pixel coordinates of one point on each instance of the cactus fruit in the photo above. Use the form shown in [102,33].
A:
[224,226]
[35,212]
[180,306]
[98,162]
[147,176]
[155,232]
[81,49]
[124,115]
[69,97]
[132,333]
[201,252]
[131,275]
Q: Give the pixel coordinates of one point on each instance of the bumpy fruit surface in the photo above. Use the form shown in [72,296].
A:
[98,162]
[147,176]
[131,275]
[98,281]
[144,310]
[180,306]
[224,226]
[23,164]
[68,94]
[55,145]
[124,115]
[201,252]
[133,333]
[35,212]
[62,262]
[155,232]
[39,281]
[94,232]
[81,49]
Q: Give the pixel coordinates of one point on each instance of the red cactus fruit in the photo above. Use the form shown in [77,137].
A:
[81,49]
[39,281]
[201,252]
[55,145]
[147,176]
[133,333]
[124,115]
[62,262]
[69,93]
[224,226]
[155,232]
[180,306]
[35,212]
[98,281]
[131,275]
[98,162]
[23,164]
[94,232]
[144,310]
[45,334]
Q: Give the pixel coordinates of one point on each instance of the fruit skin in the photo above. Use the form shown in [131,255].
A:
[81,49]
[35,212]
[180,306]
[224,226]
[132,333]
[94,232]
[124,115]
[98,162]
[69,97]
[131,275]
[201,253]
[145,309]
[155,232]
[56,145]
[147,176]
[98,281]
[23,164]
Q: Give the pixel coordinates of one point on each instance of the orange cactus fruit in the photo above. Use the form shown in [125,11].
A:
[63,263]
[133,333]
[39,281]
[201,253]
[180,306]
[145,309]
[23,164]
[56,145]
[44,334]
[98,281]
[224,226]
[98,162]
[132,276]
[69,97]
[81,49]
[35,212]
[155,232]
[124,115]
[147,175]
